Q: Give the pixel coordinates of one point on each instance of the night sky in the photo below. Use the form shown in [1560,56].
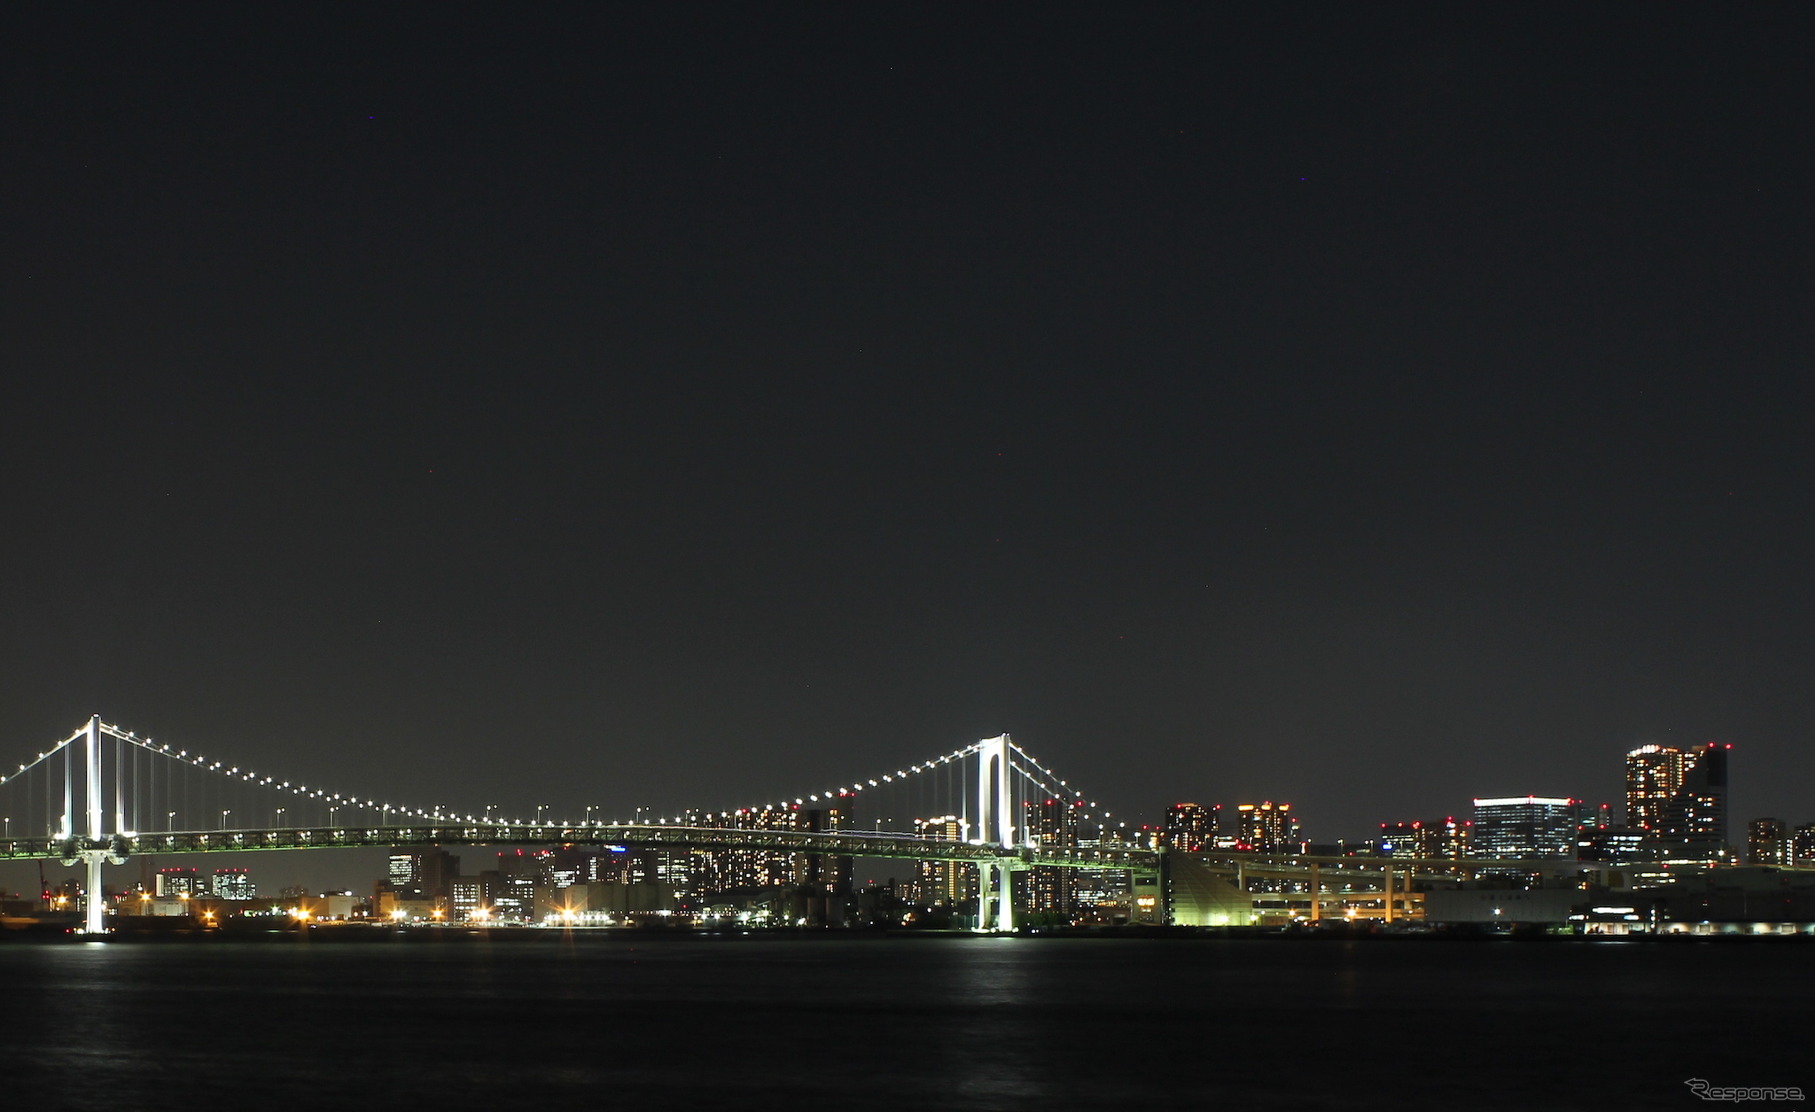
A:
[1365,406]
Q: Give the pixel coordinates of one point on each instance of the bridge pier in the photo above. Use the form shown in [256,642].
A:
[95,904]
[997,912]
[94,913]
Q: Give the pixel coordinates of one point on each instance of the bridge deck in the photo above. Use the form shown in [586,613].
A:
[837,843]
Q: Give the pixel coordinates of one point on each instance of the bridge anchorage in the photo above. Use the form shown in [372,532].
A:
[104,795]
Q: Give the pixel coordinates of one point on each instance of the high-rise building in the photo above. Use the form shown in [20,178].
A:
[1399,839]
[233,884]
[1052,890]
[1697,813]
[1654,774]
[1802,845]
[421,874]
[1767,842]
[1190,827]
[1097,887]
[1594,816]
[1614,845]
[1678,797]
[180,882]
[824,872]
[715,871]
[1267,828]
[1524,826]
[1436,839]
[466,895]
[944,883]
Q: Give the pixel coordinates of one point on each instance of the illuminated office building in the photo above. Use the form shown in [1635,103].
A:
[1051,889]
[421,874]
[1592,816]
[1439,838]
[466,895]
[1103,886]
[1525,826]
[1678,798]
[179,882]
[1767,842]
[1267,828]
[702,871]
[233,884]
[1654,773]
[1802,845]
[944,883]
[1190,827]
[1614,845]
[1695,818]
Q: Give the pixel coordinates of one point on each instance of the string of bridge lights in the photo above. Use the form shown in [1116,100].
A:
[42,757]
[856,786]
[1092,807]
[252,777]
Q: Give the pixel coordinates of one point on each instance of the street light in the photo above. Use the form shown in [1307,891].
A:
[169,821]
[225,811]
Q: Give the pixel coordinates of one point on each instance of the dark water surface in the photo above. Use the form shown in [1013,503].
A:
[948,1023]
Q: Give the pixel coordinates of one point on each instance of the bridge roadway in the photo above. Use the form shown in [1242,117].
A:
[643,835]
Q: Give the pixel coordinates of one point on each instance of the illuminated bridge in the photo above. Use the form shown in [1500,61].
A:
[103,795]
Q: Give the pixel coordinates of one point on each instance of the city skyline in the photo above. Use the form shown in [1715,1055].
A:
[1675,808]
[1675,820]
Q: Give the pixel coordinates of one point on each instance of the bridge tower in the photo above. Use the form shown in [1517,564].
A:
[995,827]
[97,847]
[995,811]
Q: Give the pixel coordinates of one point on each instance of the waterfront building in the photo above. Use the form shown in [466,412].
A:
[1267,828]
[233,884]
[1680,797]
[466,895]
[1052,890]
[1427,840]
[176,883]
[1695,818]
[1189,827]
[1106,890]
[1593,816]
[1767,842]
[1654,773]
[421,874]
[1802,846]
[1525,826]
[943,883]
[1614,845]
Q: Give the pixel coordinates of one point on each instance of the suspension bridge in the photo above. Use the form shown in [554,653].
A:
[104,795]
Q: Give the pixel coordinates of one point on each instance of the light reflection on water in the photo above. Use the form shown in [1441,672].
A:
[938,1022]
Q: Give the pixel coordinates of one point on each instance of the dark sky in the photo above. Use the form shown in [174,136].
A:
[1365,406]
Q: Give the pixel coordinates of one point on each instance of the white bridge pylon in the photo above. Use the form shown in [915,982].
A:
[995,826]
